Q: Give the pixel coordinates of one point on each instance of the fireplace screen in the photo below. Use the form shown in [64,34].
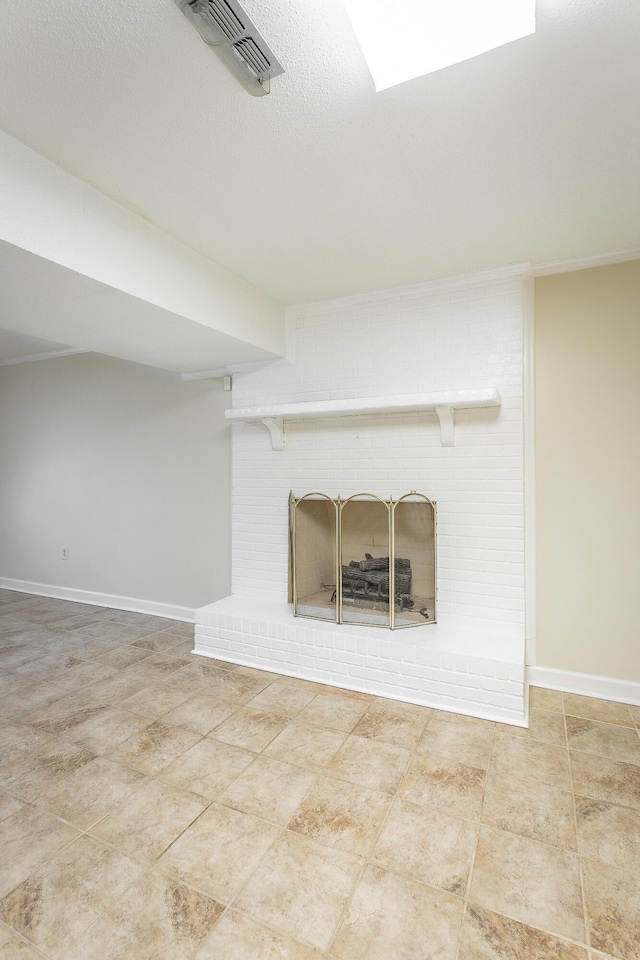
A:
[347,558]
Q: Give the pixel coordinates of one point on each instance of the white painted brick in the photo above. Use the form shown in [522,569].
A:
[461,336]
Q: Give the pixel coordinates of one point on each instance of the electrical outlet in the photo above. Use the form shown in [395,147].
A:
[65,553]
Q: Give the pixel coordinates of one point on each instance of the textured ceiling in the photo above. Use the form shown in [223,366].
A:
[323,188]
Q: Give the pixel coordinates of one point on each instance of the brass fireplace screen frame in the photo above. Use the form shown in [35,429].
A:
[398,616]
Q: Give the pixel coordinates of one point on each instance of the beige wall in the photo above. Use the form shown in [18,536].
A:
[587,327]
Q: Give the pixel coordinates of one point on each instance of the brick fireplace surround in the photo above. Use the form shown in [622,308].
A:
[466,333]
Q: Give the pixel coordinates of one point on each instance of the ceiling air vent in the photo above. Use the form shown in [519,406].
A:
[224,25]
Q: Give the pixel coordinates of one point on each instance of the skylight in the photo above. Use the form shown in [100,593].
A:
[409,38]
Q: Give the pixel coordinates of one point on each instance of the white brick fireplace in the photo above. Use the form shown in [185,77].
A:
[465,334]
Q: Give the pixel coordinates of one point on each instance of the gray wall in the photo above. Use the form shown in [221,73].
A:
[125,465]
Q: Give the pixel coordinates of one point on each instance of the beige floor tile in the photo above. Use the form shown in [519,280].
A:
[49,666]
[60,900]
[154,701]
[335,709]
[154,748]
[159,666]
[604,739]
[603,779]
[21,656]
[489,936]
[11,682]
[148,620]
[306,744]
[544,699]
[250,729]
[607,832]
[537,811]
[208,767]
[453,741]
[183,648]
[28,838]
[179,628]
[342,815]
[200,713]
[269,789]
[256,672]
[123,656]
[104,629]
[118,687]
[392,916]
[12,947]
[108,728]
[471,724]
[284,697]
[531,760]
[150,819]
[83,674]
[379,766]
[89,648]
[301,888]
[528,881]
[544,725]
[225,684]
[67,712]
[595,709]
[157,917]
[236,937]
[157,643]
[392,722]
[91,793]
[34,772]
[635,713]
[25,700]
[427,844]
[455,787]
[9,805]
[198,674]
[17,739]
[613,909]
[220,851]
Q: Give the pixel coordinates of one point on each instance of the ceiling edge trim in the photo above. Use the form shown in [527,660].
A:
[584,263]
[411,290]
[42,356]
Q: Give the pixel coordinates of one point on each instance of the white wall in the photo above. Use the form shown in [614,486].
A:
[47,211]
[125,465]
[587,328]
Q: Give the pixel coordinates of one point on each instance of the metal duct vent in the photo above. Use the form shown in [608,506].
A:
[224,25]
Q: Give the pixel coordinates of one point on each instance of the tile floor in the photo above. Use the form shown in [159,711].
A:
[157,805]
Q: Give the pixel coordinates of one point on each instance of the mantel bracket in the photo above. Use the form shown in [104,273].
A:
[447,425]
[275,426]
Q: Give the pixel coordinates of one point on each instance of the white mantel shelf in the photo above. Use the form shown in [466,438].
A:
[274,416]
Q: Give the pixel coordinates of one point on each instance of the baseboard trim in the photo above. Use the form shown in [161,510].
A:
[133,604]
[586,684]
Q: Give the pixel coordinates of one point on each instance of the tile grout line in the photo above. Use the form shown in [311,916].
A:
[394,800]
[368,861]
[467,895]
[585,915]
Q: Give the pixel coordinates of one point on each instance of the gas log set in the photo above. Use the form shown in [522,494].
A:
[368,580]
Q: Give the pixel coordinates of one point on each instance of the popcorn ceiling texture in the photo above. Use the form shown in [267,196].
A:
[442,336]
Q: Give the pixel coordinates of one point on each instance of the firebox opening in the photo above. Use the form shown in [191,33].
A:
[349,557]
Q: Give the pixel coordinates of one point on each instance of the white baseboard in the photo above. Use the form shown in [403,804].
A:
[586,684]
[170,610]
